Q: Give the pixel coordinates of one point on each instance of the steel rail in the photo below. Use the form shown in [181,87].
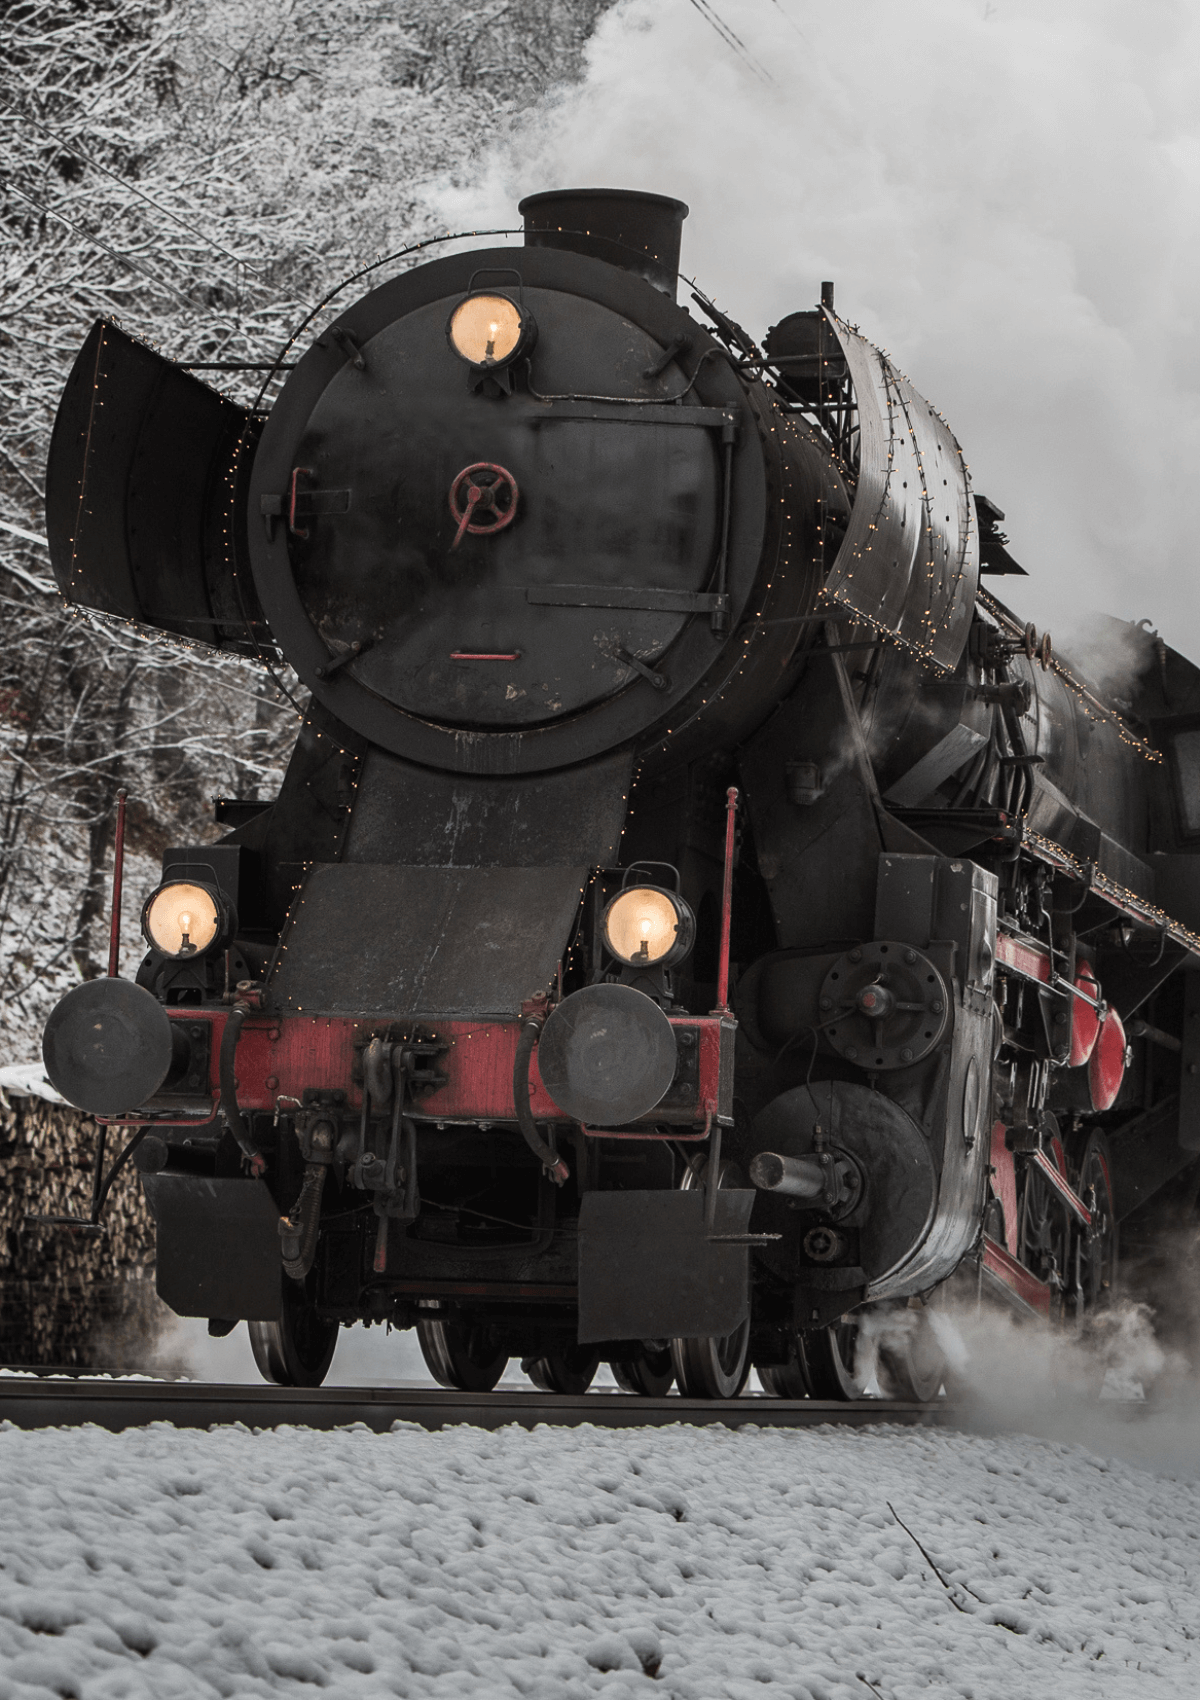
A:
[52,1399]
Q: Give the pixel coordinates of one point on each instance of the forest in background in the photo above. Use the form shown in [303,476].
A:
[202,171]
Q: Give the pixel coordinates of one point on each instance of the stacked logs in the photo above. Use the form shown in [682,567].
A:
[67,1297]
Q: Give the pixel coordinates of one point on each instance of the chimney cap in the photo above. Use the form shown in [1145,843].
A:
[630,228]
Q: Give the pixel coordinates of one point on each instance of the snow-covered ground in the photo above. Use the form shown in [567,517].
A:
[560,1563]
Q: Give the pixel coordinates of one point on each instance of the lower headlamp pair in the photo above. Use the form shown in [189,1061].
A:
[644,926]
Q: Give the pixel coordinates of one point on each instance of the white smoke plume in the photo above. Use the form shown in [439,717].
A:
[1006,193]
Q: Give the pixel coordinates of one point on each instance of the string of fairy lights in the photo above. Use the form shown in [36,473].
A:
[834,595]
[1139,909]
[941,587]
[1090,705]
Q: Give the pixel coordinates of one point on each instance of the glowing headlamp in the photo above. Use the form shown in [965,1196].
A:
[647,927]
[182,919]
[489,330]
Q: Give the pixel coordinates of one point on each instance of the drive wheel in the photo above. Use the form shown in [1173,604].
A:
[462,1356]
[568,1371]
[712,1366]
[828,1356]
[297,1350]
[785,1381]
[1096,1258]
[913,1364]
[649,1372]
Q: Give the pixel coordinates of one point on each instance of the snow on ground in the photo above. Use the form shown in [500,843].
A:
[578,1562]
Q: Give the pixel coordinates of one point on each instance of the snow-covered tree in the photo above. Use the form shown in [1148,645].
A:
[204,171]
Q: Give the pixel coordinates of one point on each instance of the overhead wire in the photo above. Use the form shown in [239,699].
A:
[790,21]
[121,259]
[73,148]
[731,39]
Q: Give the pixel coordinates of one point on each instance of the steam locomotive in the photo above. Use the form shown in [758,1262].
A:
[697,916]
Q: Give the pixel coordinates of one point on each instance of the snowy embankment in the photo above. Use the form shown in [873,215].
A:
[561,1563]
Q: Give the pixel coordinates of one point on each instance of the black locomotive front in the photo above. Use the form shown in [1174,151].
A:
[626,643]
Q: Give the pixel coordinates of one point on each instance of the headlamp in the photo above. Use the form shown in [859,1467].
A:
[647,927]
[183,919]
[489,330]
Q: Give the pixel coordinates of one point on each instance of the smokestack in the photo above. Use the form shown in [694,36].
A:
[827,296]
[639,232]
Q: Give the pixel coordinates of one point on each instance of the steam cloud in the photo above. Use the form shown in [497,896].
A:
[1006,195]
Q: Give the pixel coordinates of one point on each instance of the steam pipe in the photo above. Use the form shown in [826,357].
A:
[231,1114]
[545,1154]
[798,1177]
[1140,1029]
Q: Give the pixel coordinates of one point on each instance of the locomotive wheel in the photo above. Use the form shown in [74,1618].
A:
[714,1366]
[828,1356]
[569,1371]
[785,1381]
[1096,1247]
[649,1372]
[297,1350]
[461,1355]
[913,1364]
[1044,1236]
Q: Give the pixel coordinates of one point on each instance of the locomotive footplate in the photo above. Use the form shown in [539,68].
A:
[464,1074]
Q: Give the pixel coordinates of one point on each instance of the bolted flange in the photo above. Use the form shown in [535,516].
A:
[885,1005]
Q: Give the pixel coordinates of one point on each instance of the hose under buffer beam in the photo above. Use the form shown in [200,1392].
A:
[235,1121]
[547,1156]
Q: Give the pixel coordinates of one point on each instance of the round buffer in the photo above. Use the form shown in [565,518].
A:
[607,1055]
[107,1046]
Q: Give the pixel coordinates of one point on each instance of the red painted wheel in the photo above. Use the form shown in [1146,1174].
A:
[1106,1065]
[483,489]
[1085,1020]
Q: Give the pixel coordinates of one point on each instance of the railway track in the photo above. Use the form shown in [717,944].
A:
[54,1399]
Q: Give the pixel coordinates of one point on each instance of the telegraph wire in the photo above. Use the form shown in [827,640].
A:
[791,22]
[121,259]
[72,149]
[731,39]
